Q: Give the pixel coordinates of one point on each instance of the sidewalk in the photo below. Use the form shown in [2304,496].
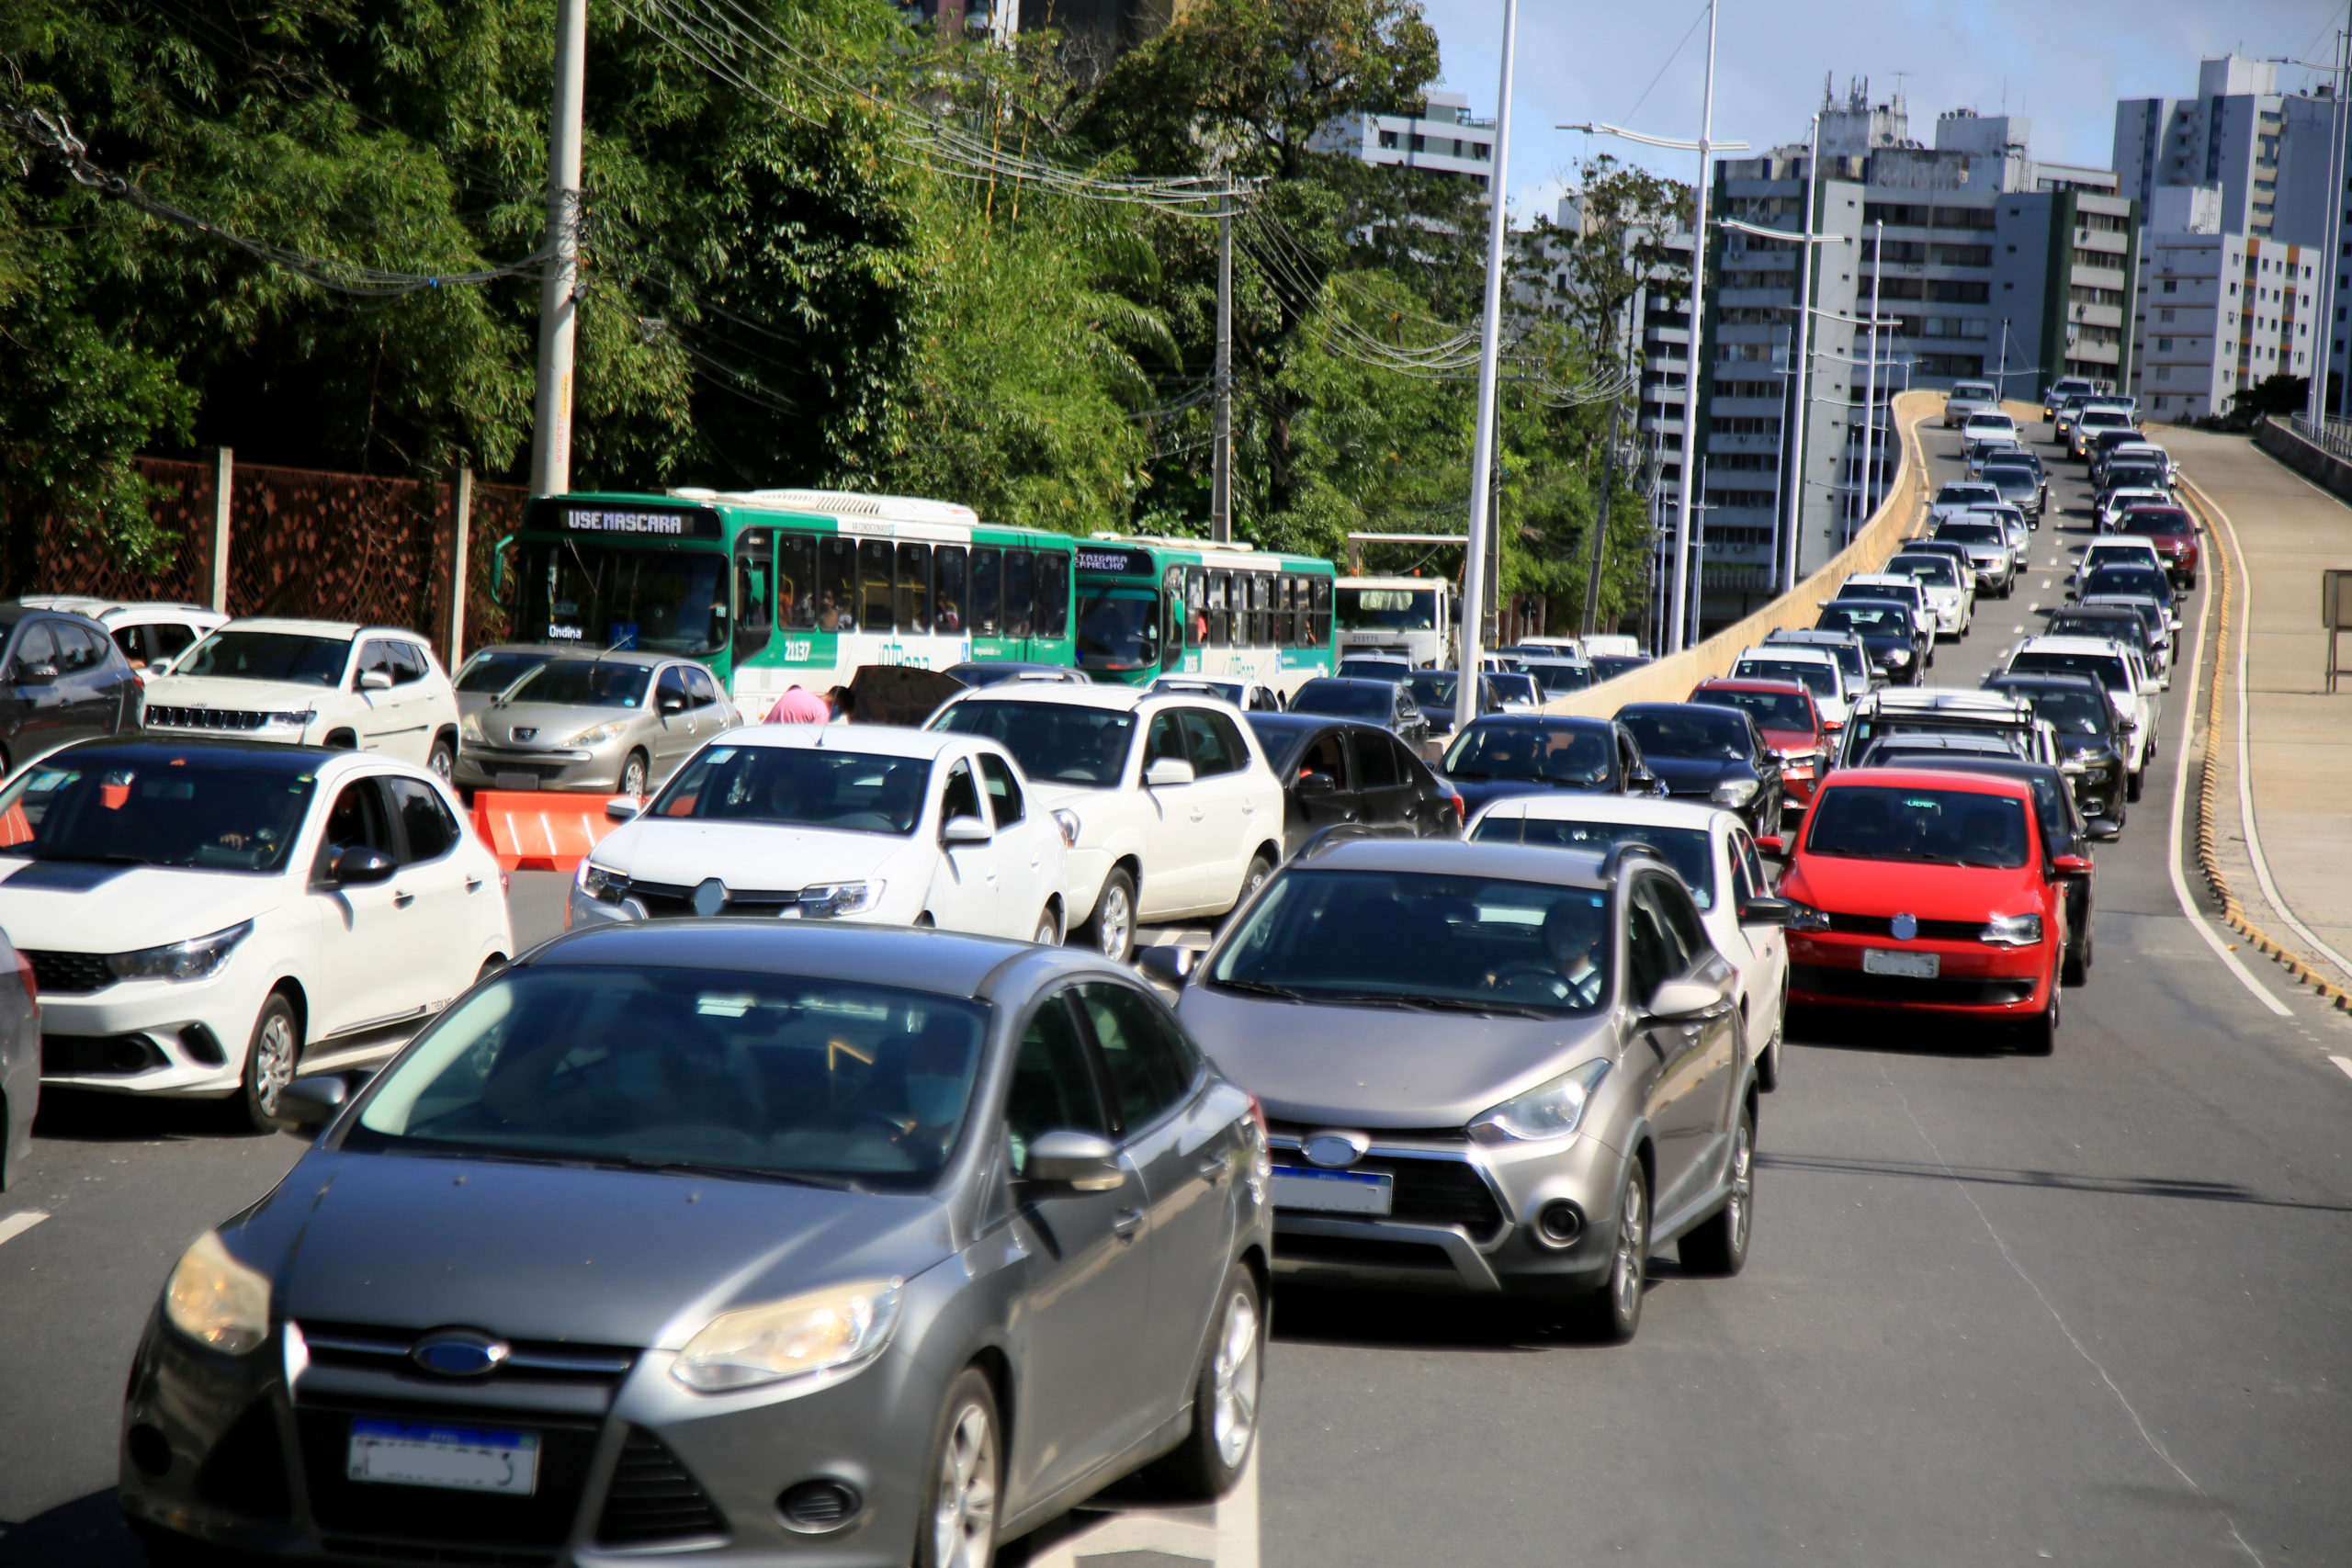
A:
[2296,739]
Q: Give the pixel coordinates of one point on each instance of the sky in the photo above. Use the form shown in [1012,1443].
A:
[1619,63]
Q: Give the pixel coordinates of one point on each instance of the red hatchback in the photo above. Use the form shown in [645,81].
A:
[1785,715]
[2173,532]
[1929,891]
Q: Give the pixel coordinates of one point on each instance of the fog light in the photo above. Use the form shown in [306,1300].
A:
[148,1449]
[203,1046]
[816,1507]
[1558,1224]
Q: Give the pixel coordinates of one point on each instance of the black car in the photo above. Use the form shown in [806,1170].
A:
[1335,771]
[1885,629]
[1434,691]
[1362,667]
[2150,581]
[64,680]
[1711,756]
[2062,826]
[2114,621]
[1529,753]
[2091,750]
[1384,703]
[1609,666]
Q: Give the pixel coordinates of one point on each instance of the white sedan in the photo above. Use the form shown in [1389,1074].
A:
[198,913]
[867,823]
[1718,861]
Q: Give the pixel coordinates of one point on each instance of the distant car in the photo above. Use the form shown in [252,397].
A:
[2021,486]
[332,683]
[150,634]
[1384,703]
[1958,495]
[1946,710]
[1529,753]
[2131,620]
[1367,669]
[1853,655]
[19,1059]
[1561,677]
[2120,671]
[61,680]
[2128,550]
[996,672]
[2109,505]
[1950,588]
[1818,670]
[490,671]
[1886,628]
[1988,550]
[1968,399]
[1710,755]
[1784,713]
[1250,696]
[1876,587]
[1336,773]
[2063,388]
[2088,426]
[2091,746]
[611,723]
[2174,533]
[1609,666]
[1520,691]
[1434,691]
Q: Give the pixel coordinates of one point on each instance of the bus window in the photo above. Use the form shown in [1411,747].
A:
[1171,634]
[1286,612]
[1196,614]
[754,612]
[947,597]
[1053,593]
[986,578]
[874,585]
[1261,622]
[796,579]
[836,583]
[1219,627]
[1020,591]
[1322,633]
[913,611]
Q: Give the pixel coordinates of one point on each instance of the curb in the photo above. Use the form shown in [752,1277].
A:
[2209,782]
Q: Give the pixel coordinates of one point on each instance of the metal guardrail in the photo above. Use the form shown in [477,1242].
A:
[2333,437]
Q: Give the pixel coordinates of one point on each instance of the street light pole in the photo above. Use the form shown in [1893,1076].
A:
[1870,383]
[1803,368]
[558,289]
[1482,455]
[1683,565]
[1221,452]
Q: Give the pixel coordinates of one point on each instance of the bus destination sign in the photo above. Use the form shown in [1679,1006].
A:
[1122,563]
[633,523]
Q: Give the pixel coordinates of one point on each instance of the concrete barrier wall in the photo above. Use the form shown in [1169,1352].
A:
[1669,680]
[2320,467]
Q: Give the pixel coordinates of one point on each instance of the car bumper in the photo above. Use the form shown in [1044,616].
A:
[594,768]
[160,1037]
[1977,979]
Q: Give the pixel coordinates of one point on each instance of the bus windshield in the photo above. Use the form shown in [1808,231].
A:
[1386,609]
[601,596]
[1118,629]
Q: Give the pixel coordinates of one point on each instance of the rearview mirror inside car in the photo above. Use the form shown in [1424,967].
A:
[1166,771]
[1169,963]
[965,830]
[1080,1161]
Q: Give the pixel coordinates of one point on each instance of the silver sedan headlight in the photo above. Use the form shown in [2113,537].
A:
[470,728]
[597,735]
[837,1330]
[217,1300]
[1550,1110]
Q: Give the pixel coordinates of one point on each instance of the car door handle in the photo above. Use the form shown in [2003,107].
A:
[1198,814]
[403,900]
[474,883]
[1213,1168]
[1126,1224]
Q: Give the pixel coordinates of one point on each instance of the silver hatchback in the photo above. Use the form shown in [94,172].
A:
[1488,1068]
[620,722]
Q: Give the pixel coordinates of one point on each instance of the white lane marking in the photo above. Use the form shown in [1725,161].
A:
[2055,1317]
[2179,816]
[18,1223]
[2344,1062]
[2017,628]
[2245,771]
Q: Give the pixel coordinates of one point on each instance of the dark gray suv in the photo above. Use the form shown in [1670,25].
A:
[64,680]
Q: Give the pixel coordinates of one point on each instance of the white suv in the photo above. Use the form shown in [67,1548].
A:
[2130,689]
[330,683]
[149,633]
[1170,809]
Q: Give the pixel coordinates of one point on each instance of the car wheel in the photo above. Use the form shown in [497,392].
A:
[2037,1036]
[1111,929]
[443,759]
[963,1480]
[270,1058]
[1613,1313]
[2134,782]
[1768,1064]
[1719,1244]
[1049,928]
[1255,877]
[632,779]
[1225,1399]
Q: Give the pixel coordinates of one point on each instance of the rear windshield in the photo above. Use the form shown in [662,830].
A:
[2127,580]
[1770,710]
[1952,495]
[1971,532]
[1056,742]
[1818,678]
[1709,737]
[1684,849]
[2071,710]
[2161,521]
[2108,667]
[1938,827]
[1936,570]
[1578,757]
[1345,699]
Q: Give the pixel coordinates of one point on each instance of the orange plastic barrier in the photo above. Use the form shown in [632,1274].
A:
[532,831]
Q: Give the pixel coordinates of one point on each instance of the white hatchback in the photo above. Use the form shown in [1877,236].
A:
[1718,863]
[150,634]
[857,822]
[1172,811]
[332,684]
[198,913]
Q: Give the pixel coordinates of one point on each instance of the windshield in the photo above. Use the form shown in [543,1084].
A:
[797,787]
[1515,688]
[1346,699]
[1401,938]
[1770,710]
[1943,827]
[1864,620]
[585,684]
[1374,670]
[1055,742]
[496,671]
[1707,736]
[1684,849]
[1118,629]
[1970,533]
[608,597]
[1386,609]
[759,1073]
[1970,391]
[1936,569]
[1223,691]
[158,806]
[2144,580]
[269,656]
[1816,676]
[2103,419]
[2071,710]
[1432,688]
[1904,592]
[2108,667]
[1575,755]
[1560,679]
[1953,495]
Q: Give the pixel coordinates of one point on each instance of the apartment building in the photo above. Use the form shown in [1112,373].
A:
[1444,138]
[2227,137]
[2218,311]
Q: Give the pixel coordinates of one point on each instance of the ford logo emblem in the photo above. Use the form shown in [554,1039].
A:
[1334,1150]
[460,1353]
[1904,927]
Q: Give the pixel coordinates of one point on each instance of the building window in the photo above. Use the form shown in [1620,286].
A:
[2163,345]
[2172,286]
[1388,140]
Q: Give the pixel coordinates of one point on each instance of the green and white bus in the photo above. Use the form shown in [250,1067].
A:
[1154,607]
[781,588]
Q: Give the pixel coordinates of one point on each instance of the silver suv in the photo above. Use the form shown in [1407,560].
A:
[1970,397]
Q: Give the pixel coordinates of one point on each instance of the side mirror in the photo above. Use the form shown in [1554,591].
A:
[671,703]
[1080,1161]
[1170,963]
[1686,1001]
[965,830]
[357,865]
[622,809]
[40,674]
[2106,829]
[2073,866]
[1772,844]
[1316,785]
[375,681]
[1764,912]
[308,1104]
[1167,772]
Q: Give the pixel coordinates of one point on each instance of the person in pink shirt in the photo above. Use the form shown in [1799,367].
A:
[800,706]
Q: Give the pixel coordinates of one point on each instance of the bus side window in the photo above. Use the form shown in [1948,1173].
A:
[1197,619]
[754,614]
[1260,621]
[947,597]
[837,584]
[1321,636]
[1020,592]
[1053,592]
[1171,615]
[1286,606]
[1220,609]
[796,580]
[874,585]
[913,611]
[987,580]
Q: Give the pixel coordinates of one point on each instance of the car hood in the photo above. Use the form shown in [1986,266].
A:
[745,855]
[1896,887]
[1793,740]
[535,1251]
[83,907]
[230,692]
[1375,1068]
[557,723]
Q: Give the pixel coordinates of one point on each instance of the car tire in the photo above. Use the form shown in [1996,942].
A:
[1718,1245]
[1111,928]
[957,1521]
[2134,782]
[442,760]
[1261,868]
[2037,1036]
[1613,1315]
[634,774]
[1049,928]
[271,1057]
[1225,1391]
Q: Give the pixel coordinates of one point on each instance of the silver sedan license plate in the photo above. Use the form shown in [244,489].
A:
[1334,1191]
[1894,961]
[463,1459]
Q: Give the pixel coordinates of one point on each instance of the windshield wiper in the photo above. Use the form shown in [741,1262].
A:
[731,1172]
[1261,988]
[1459,1004]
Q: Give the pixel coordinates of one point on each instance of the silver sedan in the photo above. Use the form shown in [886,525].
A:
[619,723]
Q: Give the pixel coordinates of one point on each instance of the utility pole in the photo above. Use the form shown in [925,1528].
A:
[1600,525]
[1482,456]
[1683,565]
[1221,460]
[1870,386]
[2001,376]
[558,292]
[2335,193]
[1801,371]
